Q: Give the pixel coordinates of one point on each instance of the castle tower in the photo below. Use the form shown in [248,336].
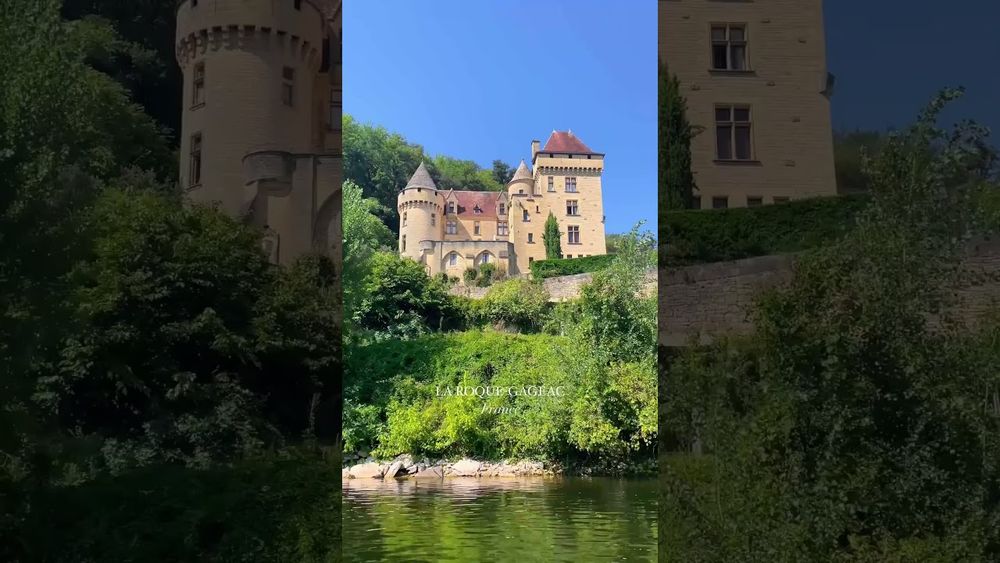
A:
[260,128]
[566,183]
[421,215]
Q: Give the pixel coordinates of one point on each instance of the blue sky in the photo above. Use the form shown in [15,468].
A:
[480,79]
[890,57]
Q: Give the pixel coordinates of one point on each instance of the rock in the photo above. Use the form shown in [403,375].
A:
[466,468]
[370,470]
[393,470]
[362,454]
[431,472]
[406,460]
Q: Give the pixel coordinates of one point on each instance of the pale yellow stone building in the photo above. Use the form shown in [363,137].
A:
[755,79]
[453,230]
[261,123]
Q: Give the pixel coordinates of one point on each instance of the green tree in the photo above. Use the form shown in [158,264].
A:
[552,238]
[502,172]
[676,180]
[399,299]
[516,303]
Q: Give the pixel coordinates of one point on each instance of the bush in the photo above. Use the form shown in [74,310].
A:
[487,272]
[701,236]
[516,303]
[606,411]
[542,269]
[470,275]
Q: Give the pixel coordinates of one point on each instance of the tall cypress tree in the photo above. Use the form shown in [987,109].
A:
[551,236]
[675,178]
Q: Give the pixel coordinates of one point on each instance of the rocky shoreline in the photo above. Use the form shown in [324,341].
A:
[406,467]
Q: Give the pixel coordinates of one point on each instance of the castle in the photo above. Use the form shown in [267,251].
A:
[757,88]
[261,122]
[451,231]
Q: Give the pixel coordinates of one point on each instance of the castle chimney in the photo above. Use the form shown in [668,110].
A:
[535,147]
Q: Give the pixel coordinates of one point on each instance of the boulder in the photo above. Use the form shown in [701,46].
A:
[393,469]
[369,470]
[466,468]
[431,472]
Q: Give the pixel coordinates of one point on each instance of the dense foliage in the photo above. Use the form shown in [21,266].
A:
[691,237]
[859,421]
[599,349]
[381,162]
[139,340]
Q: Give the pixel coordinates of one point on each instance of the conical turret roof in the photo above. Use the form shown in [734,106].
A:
[421,179]
[522,172]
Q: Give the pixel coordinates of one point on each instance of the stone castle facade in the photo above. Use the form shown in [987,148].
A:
[451,231]
[261,123]
[755,79]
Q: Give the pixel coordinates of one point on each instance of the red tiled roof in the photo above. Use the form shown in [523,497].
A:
[468,200]
[566,142]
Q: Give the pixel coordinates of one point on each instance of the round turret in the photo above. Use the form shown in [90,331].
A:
[250,70]
[522,183]
[421,214]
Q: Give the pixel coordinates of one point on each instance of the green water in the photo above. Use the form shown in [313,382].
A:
[519,520]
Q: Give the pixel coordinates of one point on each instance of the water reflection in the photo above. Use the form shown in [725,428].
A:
[515,519]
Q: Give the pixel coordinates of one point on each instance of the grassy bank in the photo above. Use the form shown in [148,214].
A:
[398,400]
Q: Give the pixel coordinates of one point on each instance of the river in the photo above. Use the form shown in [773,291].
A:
[522,520]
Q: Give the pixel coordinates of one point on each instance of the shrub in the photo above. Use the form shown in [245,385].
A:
[486,274]
[700,236]
[517,303]
[542,269]
[470,275]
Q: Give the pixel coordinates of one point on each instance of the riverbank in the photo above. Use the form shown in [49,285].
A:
[406,466]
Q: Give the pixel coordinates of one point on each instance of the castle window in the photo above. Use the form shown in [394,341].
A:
[336,109]
[531,237]
[452,227]
[451,207]
[475,228]
[288,86]
[572,208]
[526,217]
[502,228]
[531,259]
[729,47]
[503,209]
[477,210]
[194,174]
[198,86]
[720,202]
[733,133]
[404,218]
[402,246]
[453,259]
[573,234]
[552,184]
[484,258]
[433,219]
[571,185]
[754,201]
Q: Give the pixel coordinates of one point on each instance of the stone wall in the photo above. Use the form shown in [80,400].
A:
[561,288]
[698,303]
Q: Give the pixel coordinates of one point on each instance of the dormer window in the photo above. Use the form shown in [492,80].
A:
[451,207]
[477,210]
[503,209]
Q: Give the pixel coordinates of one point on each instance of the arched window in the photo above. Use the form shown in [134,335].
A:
[453,259]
